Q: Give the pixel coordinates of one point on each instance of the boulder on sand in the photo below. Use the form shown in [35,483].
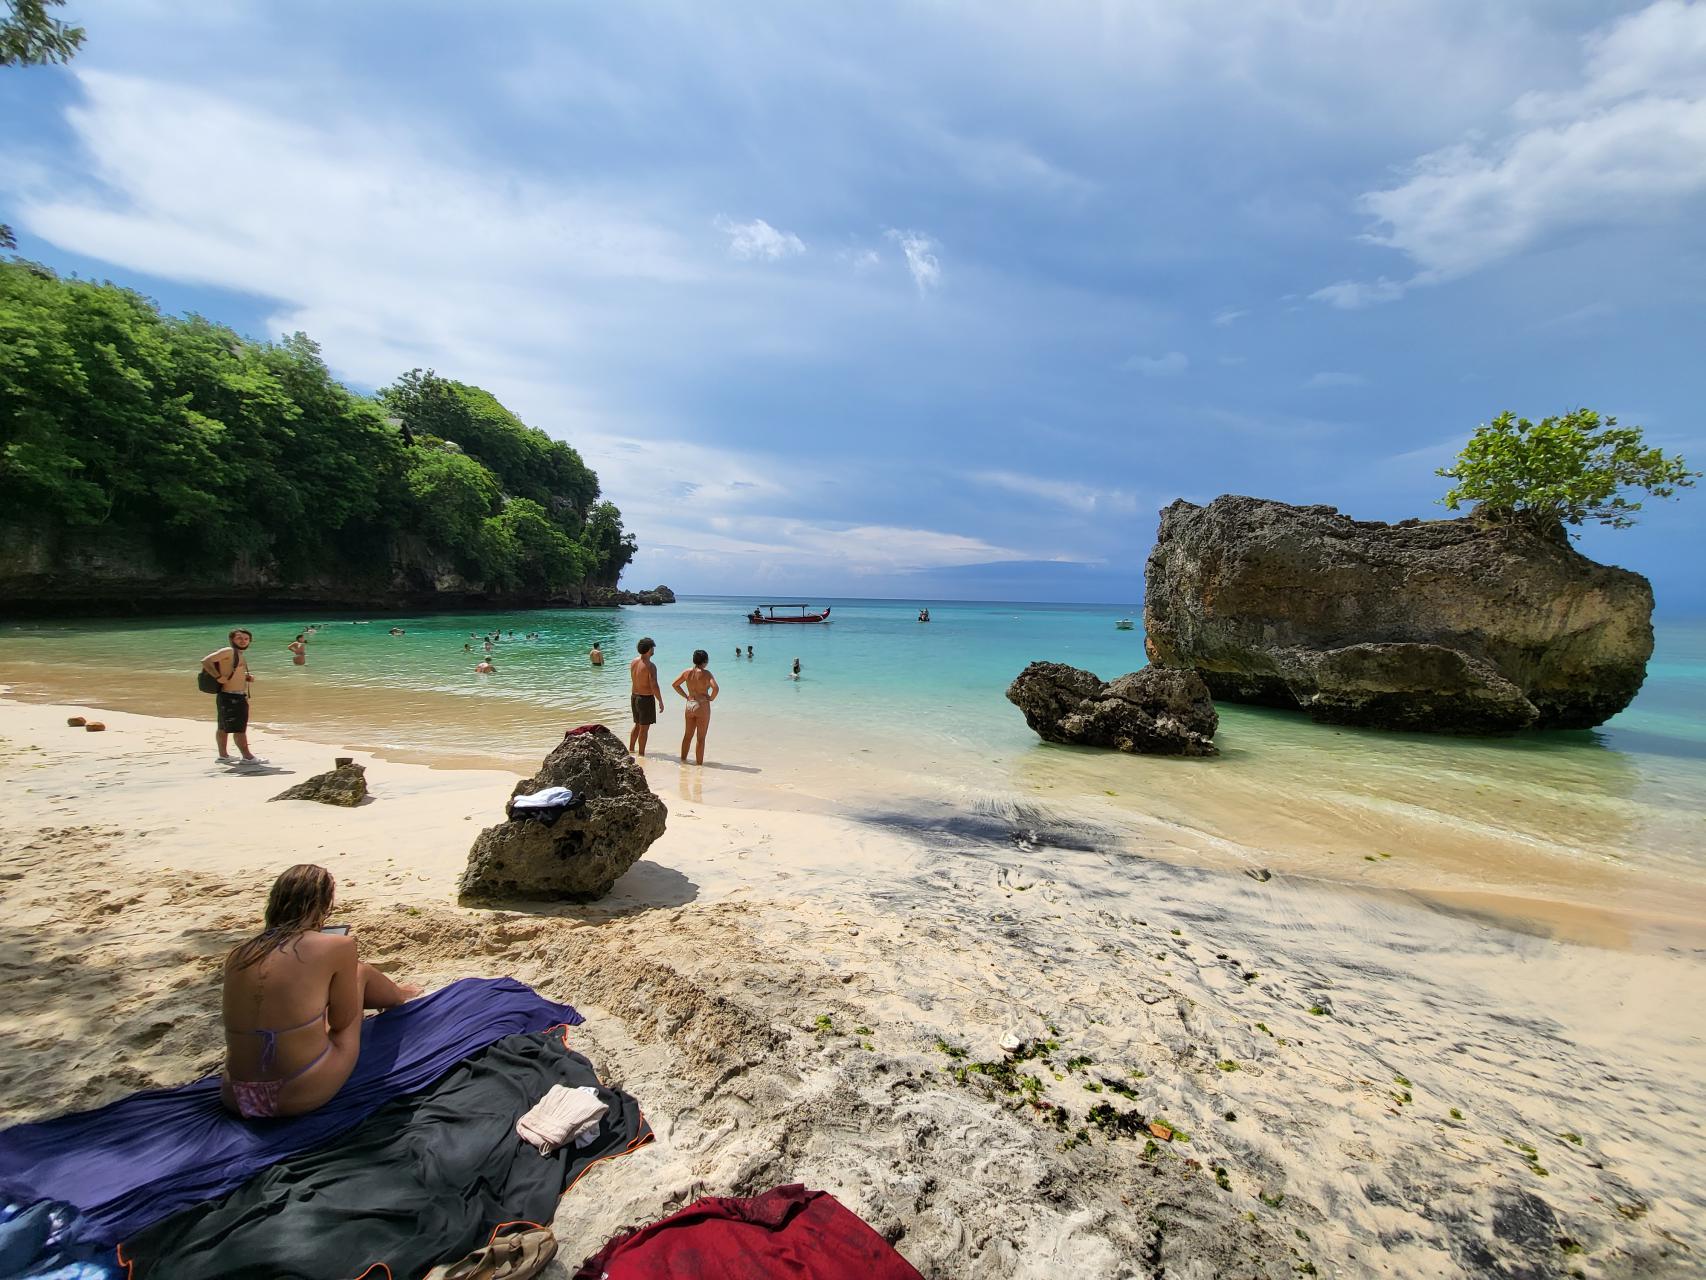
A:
[346,785]
[1449,626]
[579,854]
[1154,711]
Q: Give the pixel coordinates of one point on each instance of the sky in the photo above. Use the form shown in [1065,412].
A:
[936,299]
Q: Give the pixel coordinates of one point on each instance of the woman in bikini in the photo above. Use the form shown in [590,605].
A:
[699,687]
[293,1003]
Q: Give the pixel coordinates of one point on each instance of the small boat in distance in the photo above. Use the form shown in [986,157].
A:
[1124,624]
[766,615]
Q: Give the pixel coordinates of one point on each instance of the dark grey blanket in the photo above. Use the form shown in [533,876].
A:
[424,1181]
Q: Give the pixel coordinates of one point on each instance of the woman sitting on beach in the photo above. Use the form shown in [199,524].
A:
[699,687]
[293,1003]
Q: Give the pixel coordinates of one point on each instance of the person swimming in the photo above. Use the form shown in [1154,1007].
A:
[484,667]
[293,1002]
[795,673]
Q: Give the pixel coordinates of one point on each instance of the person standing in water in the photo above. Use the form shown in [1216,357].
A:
[298,649]
[645,697]
[699,687]
[795,673]
[230,667]
[596,655]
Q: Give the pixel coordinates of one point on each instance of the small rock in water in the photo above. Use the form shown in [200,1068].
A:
[1153,711]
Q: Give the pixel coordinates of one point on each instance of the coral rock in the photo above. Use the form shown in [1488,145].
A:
[1453,626]
[1153,711]
[579,855]
[346,786]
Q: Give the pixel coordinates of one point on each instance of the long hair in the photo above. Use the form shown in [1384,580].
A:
[298,902]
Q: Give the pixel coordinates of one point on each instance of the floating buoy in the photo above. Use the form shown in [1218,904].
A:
[94,726]
[75,721]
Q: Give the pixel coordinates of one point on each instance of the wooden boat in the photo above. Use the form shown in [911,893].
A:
[767,615]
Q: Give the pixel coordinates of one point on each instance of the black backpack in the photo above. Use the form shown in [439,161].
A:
[207,683]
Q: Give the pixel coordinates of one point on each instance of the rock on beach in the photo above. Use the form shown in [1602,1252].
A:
[579,856]
[1452,626]
[1154,711]
[346,786]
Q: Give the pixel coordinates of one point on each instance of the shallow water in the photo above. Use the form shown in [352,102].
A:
[890,707]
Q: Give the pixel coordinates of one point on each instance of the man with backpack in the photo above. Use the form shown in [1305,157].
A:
[227,672]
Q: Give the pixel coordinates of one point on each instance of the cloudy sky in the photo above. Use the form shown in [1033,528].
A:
[929,298]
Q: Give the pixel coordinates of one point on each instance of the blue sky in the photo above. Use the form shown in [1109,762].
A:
[926,299]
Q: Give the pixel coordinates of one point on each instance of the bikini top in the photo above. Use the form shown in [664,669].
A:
[269,1037]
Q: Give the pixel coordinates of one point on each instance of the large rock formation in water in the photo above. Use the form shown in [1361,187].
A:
[579,852]
[1153,711]
[1456,626]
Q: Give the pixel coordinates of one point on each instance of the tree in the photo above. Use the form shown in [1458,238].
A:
[29,38]
[1572,469]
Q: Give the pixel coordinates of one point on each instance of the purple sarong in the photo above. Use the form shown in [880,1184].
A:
[132,1162]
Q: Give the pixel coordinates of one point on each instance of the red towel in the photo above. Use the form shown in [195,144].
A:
[787,1231]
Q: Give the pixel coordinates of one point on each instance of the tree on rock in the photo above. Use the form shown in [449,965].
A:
[1572,469]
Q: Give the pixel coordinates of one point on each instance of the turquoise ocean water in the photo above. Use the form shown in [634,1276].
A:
[889,705]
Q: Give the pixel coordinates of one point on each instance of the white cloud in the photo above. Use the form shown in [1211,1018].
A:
[1164,366]
[1331,378]
[861,260]
[1066,493]
[921,260]
[758,239]
[351,230]
[1352,295]
[1626,147]
[1230,316]
[718,508]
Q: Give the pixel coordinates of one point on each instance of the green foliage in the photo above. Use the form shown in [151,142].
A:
[206,446]
[1572,469]
[29,37]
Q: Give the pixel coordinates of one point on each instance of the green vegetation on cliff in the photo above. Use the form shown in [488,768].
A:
[213,449]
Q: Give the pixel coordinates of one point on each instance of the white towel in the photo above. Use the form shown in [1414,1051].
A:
[562,1116]
[549,798]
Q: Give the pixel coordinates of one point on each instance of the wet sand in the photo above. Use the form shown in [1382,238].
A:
[1370,1084]
[1519,844]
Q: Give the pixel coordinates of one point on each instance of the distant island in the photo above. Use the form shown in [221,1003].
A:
[153,463]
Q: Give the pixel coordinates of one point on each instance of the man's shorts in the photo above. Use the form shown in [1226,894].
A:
[233,712]
[645,708]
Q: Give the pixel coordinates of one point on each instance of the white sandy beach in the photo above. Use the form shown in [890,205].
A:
[1370,1086]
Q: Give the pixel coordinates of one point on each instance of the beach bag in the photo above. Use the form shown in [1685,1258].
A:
[207,683]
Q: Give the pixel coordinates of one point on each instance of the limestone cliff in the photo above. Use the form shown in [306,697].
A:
[110,571]
[1445,625]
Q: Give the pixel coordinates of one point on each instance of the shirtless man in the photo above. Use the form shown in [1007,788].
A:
[596,655]
[230,667]
[645,697]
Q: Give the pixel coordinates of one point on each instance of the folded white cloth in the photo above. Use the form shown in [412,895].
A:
[549,798]
[562,1116]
